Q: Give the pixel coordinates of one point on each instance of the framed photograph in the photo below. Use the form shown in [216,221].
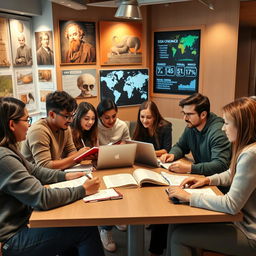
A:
[6,88]
[120,43]
[80,83]
[125,87]
[77,42]
[176,61]
[4,44]
[21,43]
[44,46]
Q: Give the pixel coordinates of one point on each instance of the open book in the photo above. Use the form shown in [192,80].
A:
[139,177]
[91,151]
[103,194]
[70,183]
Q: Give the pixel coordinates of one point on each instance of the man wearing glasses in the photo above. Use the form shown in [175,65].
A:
[49,141]
[203,137]
[208,144]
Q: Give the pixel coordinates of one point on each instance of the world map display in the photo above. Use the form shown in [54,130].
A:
[125,87]
[176,61]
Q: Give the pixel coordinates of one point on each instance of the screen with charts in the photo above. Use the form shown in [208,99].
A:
[176,61]
[125,87]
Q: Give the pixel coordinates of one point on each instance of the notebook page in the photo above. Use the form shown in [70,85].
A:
[119,180]
[173,180]
[70,183]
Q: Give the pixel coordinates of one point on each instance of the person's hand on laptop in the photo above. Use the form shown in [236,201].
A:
[91,186]
[180,166]
[165,158]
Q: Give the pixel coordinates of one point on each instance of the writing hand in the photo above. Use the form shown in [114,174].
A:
[91,186]
[179,193]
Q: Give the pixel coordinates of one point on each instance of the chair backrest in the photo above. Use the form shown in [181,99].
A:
[178,126]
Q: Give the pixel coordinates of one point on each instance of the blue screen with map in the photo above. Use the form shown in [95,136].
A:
[176,61]
[125,87]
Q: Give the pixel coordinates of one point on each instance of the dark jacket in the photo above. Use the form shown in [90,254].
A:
[210,147]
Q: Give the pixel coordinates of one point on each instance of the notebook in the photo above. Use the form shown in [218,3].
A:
[114,156]
[145,153]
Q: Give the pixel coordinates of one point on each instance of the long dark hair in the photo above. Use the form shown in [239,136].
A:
[243,113]
[140,130]
[10,109]
[89,137]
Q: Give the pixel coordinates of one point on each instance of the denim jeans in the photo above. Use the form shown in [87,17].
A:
[54,241]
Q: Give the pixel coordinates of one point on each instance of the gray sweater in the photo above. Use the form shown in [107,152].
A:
[21,190]
[241,196]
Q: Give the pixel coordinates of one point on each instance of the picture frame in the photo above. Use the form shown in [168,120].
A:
[126,87]
[20,31]
[80,83]
[120,43]
[44,48]
[4,43]
[176,61]
[77,42]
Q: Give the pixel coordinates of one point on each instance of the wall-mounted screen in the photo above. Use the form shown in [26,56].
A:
[176,61]
[125,87]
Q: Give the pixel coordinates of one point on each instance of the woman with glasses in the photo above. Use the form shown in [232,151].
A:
[237,238]
[22,190]
[152,128]
[84,126]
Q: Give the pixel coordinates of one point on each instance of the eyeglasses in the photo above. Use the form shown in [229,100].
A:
[67,117]
[28,120]
[187,114]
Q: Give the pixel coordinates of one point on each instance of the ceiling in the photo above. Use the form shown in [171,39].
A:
[81,4]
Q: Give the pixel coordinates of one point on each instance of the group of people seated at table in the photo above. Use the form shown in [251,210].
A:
[223,150]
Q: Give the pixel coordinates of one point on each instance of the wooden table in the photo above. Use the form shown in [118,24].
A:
[146,205]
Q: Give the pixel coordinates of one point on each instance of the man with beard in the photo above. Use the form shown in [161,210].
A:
[49,140]
[204,139]
[79,51]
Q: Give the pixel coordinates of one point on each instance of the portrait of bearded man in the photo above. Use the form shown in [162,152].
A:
[79,51]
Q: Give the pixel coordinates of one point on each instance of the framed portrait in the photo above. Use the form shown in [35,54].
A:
[44,48]
[80,83]
[176,61]
[77,42]
[20,31]
[120,43]
[125,87]
[4,44]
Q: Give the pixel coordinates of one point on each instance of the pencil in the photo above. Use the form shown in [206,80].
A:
[88,176]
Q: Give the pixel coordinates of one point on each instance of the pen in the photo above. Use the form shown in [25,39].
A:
[87,176]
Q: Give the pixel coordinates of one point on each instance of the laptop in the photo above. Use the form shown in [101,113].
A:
[114,156]
[145,153]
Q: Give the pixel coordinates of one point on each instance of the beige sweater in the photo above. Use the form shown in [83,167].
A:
[43,145]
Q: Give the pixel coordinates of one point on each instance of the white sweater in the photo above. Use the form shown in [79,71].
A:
[241,196]
[118,132]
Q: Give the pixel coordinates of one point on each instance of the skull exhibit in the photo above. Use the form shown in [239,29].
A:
[86,83]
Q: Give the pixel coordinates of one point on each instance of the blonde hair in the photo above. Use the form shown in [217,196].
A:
[243,114]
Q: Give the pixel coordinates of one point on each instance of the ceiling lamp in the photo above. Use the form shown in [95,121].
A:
[128,9]
[209,5]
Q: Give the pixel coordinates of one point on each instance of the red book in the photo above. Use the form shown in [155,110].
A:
[87,153]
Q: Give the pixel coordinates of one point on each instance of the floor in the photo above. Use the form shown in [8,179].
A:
[121,240]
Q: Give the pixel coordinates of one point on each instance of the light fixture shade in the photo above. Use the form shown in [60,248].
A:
[129,9]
